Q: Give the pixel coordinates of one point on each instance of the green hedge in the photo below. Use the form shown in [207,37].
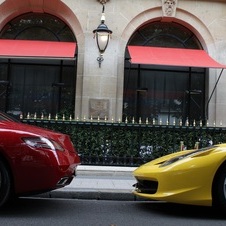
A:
[131,141]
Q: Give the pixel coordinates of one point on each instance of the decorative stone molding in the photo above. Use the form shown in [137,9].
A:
[169,7]
[103,1]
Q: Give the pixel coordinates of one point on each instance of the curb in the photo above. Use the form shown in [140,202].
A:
[104,170]
[92,195]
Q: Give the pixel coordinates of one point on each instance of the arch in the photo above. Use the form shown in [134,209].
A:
[9,10]
[185,18]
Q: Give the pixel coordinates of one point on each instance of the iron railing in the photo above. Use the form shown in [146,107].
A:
[130,144]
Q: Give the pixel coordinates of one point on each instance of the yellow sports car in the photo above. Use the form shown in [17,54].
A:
[196,177]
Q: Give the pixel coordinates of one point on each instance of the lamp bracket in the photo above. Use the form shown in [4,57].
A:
[100,59]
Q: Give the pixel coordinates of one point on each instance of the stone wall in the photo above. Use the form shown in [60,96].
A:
[206,19]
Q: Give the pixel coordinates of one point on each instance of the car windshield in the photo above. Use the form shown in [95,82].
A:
[5,117]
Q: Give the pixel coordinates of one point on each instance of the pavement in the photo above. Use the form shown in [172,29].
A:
[99,183]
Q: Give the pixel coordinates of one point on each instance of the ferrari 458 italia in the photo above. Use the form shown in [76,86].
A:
[33,160]
[196,177]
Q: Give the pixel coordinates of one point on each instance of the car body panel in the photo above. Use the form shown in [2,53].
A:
[188,180]
[36,169]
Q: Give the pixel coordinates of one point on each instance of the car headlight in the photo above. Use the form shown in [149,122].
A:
[42,142]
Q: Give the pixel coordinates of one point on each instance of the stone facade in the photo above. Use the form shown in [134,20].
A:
[206,19]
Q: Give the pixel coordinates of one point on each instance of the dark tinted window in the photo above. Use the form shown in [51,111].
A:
[166,94]
[37,86]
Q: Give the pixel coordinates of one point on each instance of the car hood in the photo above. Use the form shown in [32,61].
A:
[177,156]
[174,160]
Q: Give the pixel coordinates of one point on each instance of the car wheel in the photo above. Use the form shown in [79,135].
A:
[219,190]
[5,184]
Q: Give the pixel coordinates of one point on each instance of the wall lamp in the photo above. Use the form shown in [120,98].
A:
[102,35]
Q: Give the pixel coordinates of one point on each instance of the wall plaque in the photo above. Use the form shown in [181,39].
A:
[99,108]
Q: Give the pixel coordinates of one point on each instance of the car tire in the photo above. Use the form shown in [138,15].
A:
[219,190]
[5,184]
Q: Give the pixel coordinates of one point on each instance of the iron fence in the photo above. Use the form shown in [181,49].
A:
[130,144]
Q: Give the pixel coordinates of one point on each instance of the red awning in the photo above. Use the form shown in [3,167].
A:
[172,57]
[36,49]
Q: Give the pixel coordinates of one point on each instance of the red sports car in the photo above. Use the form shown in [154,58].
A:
[33,160]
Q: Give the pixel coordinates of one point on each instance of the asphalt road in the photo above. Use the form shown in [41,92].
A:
[38,211]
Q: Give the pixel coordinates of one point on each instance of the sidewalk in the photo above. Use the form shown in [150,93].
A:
[100,183]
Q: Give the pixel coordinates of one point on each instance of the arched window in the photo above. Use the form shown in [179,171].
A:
[164,93]
[41,86]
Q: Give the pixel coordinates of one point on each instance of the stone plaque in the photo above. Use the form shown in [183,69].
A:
[99,108]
